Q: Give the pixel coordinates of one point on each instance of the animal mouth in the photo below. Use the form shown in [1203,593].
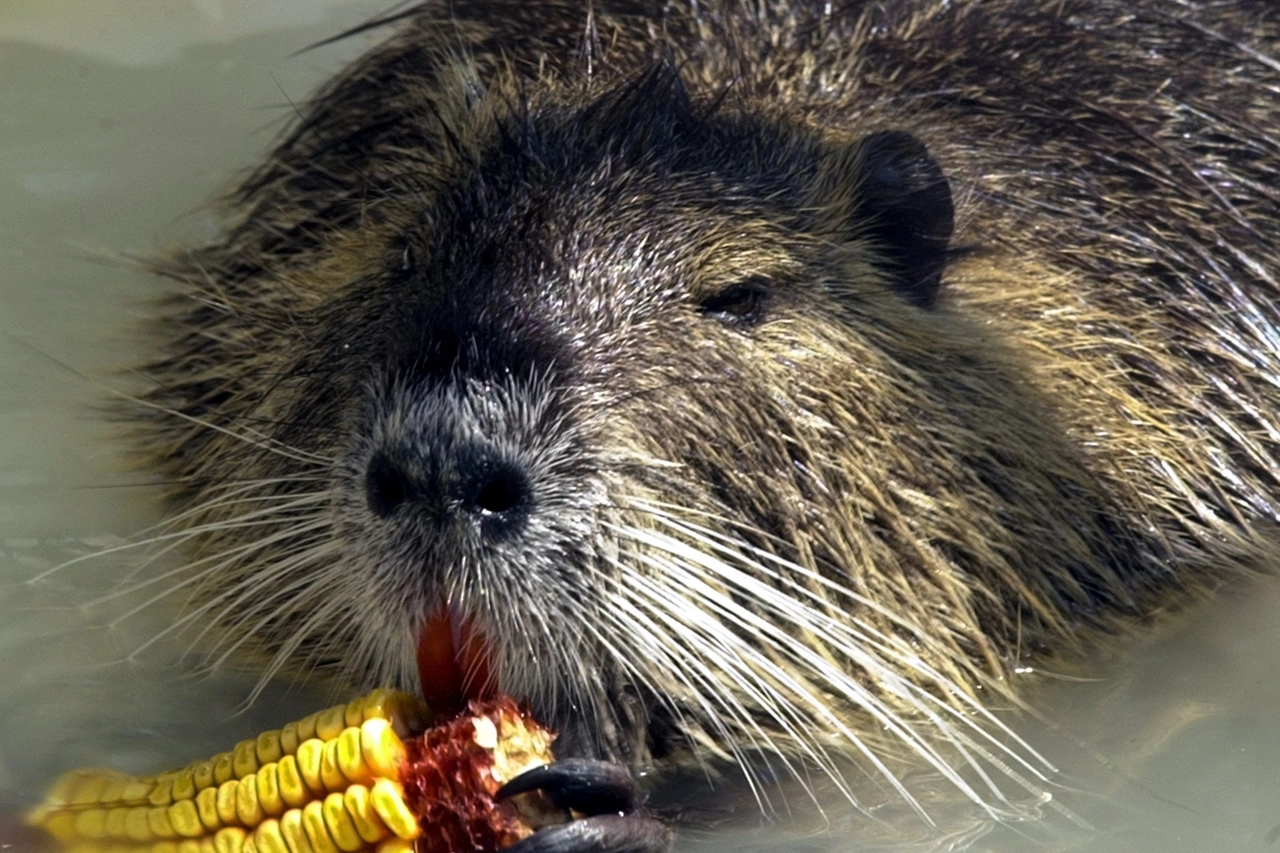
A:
[454,662]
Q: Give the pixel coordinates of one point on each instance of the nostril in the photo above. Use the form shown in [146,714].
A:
[386,486]
[496,489]
[501,494]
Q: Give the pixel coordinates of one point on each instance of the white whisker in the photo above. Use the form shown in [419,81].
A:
[731,620]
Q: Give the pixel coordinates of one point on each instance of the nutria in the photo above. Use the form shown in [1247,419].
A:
[735,378]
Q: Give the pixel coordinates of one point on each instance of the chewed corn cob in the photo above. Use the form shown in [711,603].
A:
[356,777]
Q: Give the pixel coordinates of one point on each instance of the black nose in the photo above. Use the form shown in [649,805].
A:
[470,482]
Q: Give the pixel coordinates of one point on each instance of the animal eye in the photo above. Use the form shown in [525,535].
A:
[740,304]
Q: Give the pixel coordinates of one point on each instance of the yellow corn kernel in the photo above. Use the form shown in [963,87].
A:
[136,791]
[84,788]
[248,812]
[341,828]
[307,728]
[91,823]
[223,769]
[349,758]
[387,798]
[61,825]
[115,822]
[202,773]
[269,789]
[207,808]
[268,748]
[360,810]
[244,759]
[395,845]
[309,756]
[162,793]
[226,802]
[354,712]
[229,840]
[289,739]
[291,830]
[159,823]
[136,825]
[317,831]
[184,817]
[404,711]
[250,846]
[184,785]
[267,838]
[112,790]
[292,789]
[330,775]
[381,749]
[330,722]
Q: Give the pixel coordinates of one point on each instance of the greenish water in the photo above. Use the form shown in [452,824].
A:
[117,120]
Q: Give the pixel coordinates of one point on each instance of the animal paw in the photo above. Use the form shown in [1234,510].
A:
[605,794]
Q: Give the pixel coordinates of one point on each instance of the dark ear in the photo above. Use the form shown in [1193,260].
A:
[902,204]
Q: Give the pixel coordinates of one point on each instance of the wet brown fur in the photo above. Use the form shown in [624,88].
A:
[1078,435]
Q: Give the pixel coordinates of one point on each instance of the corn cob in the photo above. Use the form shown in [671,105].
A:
[356,778]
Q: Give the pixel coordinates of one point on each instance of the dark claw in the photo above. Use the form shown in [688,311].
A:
[604,792]
[584,785]
[599,834]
